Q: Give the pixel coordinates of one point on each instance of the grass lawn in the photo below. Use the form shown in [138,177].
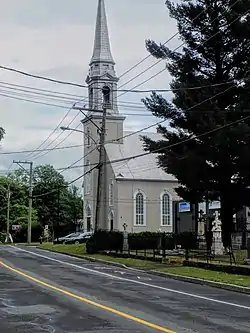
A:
[205,274]
[79,249]
[148,265]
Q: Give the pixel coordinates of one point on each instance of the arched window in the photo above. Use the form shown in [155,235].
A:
[111,220]
[106,96]
[88,218]
[166,209]
[139,209]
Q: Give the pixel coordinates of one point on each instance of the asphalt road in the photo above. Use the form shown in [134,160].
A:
[47,292]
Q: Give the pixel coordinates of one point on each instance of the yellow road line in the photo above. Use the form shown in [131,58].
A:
[88,301]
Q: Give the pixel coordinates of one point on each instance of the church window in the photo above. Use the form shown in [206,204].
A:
[166,209]
[140,209]
[111,221]
[106,96]
[88,218]
[111,193]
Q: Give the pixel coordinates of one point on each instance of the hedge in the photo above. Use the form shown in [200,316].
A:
[144,240]
[103,240]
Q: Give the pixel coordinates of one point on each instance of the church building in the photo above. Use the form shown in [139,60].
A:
[137,194]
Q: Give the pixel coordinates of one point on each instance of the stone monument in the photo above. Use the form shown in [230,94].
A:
[125,237]
[217,246]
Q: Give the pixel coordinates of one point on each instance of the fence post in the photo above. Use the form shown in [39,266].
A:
[247,260]
[125,241]
[163,244]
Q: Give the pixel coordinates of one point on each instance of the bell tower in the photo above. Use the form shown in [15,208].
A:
[102,80]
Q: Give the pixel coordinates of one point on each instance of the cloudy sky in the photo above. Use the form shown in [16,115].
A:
[55,39]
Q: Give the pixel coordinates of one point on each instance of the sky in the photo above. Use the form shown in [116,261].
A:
[55,39]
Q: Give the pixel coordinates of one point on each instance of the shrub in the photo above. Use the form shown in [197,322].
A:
[187,240]
[103,240]
[168,241]
[2,237]
[144,240]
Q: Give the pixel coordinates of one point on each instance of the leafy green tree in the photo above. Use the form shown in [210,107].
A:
[55,203]
[216,57]
[75,204]
[18,197]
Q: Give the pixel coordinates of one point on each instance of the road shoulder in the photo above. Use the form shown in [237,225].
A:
[194,280]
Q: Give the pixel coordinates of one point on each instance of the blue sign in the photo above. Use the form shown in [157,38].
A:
[184,207]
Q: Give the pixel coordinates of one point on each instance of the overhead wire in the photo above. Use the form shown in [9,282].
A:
[157,62]
[37,150]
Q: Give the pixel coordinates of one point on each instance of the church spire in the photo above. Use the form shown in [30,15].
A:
[102,79]
[102,50]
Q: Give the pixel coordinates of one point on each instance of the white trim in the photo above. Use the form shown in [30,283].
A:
[170,208]
[144,208]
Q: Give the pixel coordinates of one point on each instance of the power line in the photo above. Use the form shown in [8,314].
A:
[53,93]
[38,150]
[151,54]
[64,186]
[50,135]
[36,156]
[66,107]
[161,71]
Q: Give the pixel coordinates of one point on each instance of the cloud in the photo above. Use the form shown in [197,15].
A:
[55,39]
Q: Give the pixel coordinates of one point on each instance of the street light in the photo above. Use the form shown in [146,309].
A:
[80,131]
[63,128]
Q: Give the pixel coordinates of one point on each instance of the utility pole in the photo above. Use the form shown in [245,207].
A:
[30,173]
[101,164]
[8,214]
[58,212]
[101,170]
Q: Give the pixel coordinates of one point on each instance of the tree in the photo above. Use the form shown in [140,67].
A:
[18,203]
[55,203]
[216,57]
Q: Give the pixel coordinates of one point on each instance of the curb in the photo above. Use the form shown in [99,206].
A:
[225,286]
[85,258]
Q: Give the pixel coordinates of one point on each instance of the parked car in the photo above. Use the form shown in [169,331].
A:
[81,238]
[61,240]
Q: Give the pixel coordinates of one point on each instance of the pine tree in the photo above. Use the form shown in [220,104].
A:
[215,56]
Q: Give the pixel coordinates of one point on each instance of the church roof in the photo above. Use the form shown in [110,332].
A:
[142,168]
[102,50]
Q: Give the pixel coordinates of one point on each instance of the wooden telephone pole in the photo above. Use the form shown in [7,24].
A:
[101,171]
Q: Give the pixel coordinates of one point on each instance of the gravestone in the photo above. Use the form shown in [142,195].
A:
[217,246]
[125,238]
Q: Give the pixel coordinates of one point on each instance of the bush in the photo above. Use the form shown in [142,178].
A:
[144,240]
[20,236]
[2,237]
[168,241]
[187,240]
[103,240]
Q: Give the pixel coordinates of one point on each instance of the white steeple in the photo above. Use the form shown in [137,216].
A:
[102,50]
[102,79]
